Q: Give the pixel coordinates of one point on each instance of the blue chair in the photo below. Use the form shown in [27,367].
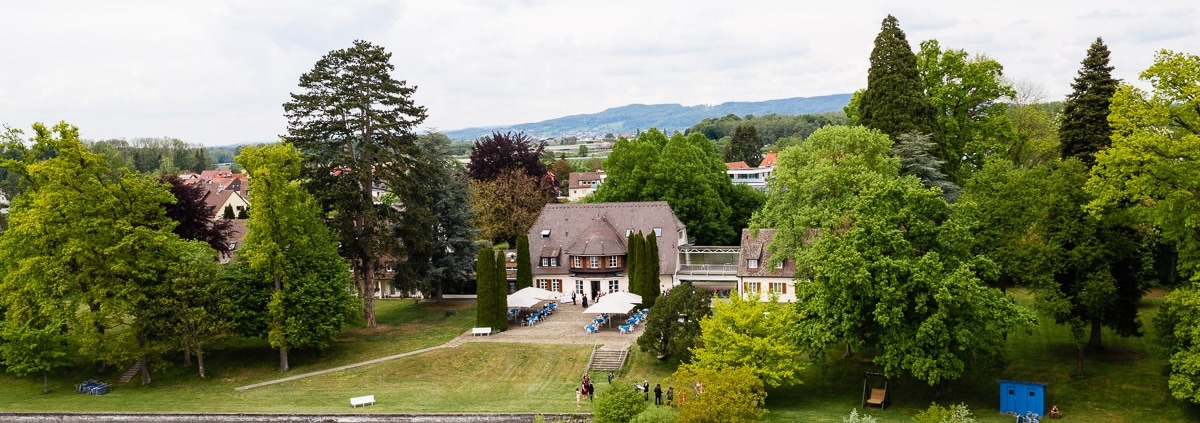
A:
[590,329]
[626,329]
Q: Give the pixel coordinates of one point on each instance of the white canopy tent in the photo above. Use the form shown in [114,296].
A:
[621,296]
[521,301]
[610,307]
[531,296]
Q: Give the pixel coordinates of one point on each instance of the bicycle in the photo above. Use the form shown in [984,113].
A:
[1028,417]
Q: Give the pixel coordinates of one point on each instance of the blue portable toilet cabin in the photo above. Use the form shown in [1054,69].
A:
[1020,396]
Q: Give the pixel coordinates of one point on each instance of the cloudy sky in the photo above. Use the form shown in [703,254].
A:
[217,72]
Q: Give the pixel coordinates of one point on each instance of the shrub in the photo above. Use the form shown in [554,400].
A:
[618,404]
[854,417]
[936,414]
[657,415]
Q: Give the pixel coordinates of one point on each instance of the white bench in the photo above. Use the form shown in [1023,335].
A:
[363,401]
[481,331]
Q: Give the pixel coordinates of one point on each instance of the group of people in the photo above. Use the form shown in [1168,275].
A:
[587,390]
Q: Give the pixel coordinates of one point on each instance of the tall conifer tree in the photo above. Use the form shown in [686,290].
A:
[1085,128]
[524,268]
[499,300]
[484,293]
[633,260]
[894,101]
[650,268]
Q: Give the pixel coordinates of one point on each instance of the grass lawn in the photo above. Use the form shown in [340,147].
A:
[1124,383]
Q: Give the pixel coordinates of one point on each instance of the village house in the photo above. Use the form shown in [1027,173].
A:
[755,177]
[583,184]
[582,248]
[758,275]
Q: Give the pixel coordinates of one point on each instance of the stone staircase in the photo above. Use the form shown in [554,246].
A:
[130,372]
[607,358]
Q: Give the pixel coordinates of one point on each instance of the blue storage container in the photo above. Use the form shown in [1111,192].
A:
[1019,397]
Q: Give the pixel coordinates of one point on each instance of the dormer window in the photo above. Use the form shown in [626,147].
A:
[545,233]
[658,232]
[752,263]
[779,265]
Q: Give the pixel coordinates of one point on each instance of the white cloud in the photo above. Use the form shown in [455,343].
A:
[217,72]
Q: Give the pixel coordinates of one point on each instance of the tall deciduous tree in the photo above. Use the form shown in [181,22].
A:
[85,252]
[495,154]
[292,254]
[895,101]
[354,123]
[969,97]
[900,277]
[506,206]
[1151,172]
[447,260]
[1085,129]
[673,324]
[196,311]
[195,217]
[754,335]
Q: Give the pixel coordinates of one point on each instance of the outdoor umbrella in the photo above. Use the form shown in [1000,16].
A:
[621,296]
[539,293]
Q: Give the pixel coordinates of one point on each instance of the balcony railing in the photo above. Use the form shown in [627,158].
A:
[708,269]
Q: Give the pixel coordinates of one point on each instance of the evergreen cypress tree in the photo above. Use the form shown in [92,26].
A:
[632,261]
[650,268]
[500,294]
[1085,128]
[894,101]
[524,268]
[484,287]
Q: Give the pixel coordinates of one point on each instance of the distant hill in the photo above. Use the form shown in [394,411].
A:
[666,117]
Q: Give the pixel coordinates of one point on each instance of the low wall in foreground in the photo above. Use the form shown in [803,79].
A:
[297,418]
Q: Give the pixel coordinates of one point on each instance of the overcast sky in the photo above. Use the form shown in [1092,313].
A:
[217,72]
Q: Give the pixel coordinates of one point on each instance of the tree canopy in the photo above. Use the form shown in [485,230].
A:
[291,254]
[895,102]
[1085,129]
[354,124]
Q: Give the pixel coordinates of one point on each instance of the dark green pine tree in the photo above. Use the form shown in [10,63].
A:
[633,261]
[895,102]
[484,288]
[1085,129]
[745,146]
[500,294]
[650,268]
[524,267]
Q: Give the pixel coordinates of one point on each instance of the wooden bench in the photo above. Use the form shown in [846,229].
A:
[363,401]
[878,396]
[481,331]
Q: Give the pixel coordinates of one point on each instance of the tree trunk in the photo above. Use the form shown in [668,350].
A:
[283,361]
[848,351]
[45,383]
[1079,364]
[187,354]
[369,293]
[1094,340]
[437,293]
[145,371]
[200,360]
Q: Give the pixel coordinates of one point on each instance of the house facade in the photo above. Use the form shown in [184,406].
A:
[755,177]
[582,248]
[583,184]
[759,276]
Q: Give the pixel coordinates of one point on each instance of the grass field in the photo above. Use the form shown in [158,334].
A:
[1125,383]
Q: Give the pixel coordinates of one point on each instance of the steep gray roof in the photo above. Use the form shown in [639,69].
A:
[600,229]
[755,247]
